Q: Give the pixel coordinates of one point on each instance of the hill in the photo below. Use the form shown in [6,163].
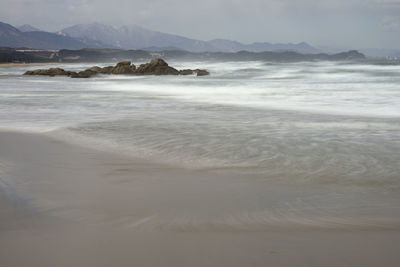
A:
[13,37]
[109,55]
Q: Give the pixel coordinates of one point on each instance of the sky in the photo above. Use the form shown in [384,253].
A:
[332,23]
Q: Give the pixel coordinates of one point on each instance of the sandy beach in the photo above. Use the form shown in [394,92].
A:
[64,205]
[13,65]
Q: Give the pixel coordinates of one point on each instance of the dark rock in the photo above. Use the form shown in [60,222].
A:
[76,75]
[201,72]
[123,67]
[107,70]
[198,72]
[95,69]
[186,72]
[157,66]
[49,72]
[84,74]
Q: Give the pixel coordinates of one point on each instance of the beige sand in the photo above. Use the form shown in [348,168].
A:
[12,65]
[63,205]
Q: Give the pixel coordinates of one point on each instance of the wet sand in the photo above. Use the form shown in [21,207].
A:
[64,205]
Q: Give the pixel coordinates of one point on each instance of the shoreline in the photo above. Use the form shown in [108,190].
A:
[12,65]
[83,207]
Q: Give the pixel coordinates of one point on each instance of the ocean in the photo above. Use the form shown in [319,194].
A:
[329,128]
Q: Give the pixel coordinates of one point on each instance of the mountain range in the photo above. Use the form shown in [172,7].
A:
[28,28]
[13,37]
[96,35]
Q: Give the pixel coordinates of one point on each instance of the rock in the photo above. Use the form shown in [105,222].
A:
[201,72]
[197,71]
[95,69]
[157,66]
[49,72]
[77,75]
[84,74]
[186,72]
[31,72]
[107,70]
[123,67]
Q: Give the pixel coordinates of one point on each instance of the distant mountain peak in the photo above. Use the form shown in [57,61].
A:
[78,29]
[93,32]
[28,28]
[13,37]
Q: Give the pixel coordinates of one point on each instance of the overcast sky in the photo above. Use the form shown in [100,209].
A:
[338,23]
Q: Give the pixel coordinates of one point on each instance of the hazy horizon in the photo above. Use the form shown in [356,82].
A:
[340,24]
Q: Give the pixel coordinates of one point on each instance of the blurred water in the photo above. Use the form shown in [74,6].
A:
[329,132]
[323,122]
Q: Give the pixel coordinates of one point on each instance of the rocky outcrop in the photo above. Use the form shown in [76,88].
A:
[123,67]
[95,69]
[198,72]
[83,74]
[156,66]
[186,72]
[106,70]
[49,72]
[201,72]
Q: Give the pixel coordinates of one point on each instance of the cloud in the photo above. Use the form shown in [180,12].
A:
[391,24]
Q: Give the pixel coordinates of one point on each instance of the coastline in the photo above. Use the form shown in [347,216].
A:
[12,65]
[75,206]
